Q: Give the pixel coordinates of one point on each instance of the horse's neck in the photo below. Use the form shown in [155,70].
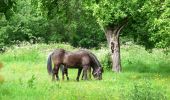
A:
[94,67]
[96,62]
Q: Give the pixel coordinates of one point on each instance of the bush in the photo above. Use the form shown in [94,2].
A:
[106,61]
[103,56]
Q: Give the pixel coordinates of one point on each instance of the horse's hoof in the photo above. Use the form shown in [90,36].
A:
[77,80]
[68,79]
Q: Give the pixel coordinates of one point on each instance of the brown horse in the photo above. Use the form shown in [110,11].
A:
[81,59]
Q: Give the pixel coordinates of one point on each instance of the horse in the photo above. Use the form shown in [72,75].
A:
[81,59]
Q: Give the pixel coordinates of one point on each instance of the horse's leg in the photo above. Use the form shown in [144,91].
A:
[89,72]
[56,69]
[53,73]
[79,72]
[85,72]
[82,75]
[66,72]
[63,72]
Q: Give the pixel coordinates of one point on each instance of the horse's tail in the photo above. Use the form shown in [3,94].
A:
[49,64]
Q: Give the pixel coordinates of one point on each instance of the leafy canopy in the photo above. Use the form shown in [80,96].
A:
[148,20]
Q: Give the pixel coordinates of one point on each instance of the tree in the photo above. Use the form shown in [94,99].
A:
[5,7]
[69,22]
[141,19]
[25,24]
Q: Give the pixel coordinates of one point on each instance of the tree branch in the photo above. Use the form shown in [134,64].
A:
[117,28]
[121,25]
[121,28]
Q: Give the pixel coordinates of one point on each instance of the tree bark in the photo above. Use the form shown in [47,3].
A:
[108,35]
[112,35]
[114,48]
[116,53]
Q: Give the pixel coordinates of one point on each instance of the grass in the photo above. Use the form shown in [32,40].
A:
[24,76]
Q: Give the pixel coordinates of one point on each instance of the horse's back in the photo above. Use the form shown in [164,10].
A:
[84,56]
[77,58]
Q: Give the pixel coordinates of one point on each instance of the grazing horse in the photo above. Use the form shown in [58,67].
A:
[81,59]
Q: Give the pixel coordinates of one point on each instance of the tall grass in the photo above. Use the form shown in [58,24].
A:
[145,76]
[135,58]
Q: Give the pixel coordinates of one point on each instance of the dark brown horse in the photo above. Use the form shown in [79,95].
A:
[82,60]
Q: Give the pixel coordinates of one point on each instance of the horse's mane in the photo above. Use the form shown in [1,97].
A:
[94,58]
[60,50]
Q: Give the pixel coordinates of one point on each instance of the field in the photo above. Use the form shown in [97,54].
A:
[145,76]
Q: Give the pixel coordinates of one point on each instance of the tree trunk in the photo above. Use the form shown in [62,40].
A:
[114,47]
[108,34]
[116,53]
[112,34]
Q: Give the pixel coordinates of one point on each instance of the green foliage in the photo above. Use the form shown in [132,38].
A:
[148,21]
[81,23]
[162,27]
[69,22]
[49,22]
[6,8]
[26,24]
[104,57]
[111,11]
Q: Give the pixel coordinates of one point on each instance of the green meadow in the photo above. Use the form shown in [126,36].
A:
[145,76]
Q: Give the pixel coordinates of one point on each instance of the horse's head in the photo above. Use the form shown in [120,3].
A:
[97,73]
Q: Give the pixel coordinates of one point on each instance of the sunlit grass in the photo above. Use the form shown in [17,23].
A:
[25,76]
